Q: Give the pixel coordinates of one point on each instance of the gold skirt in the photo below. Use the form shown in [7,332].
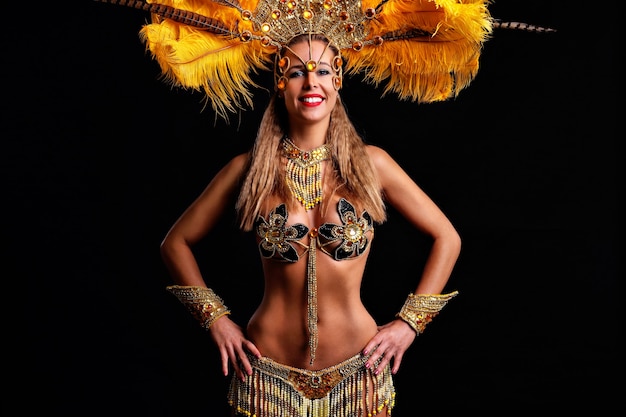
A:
[347,389]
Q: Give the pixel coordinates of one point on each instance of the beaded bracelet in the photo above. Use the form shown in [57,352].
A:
[201,302]
[420,309]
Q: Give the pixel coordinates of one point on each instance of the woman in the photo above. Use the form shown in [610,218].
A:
[312,192]
[310,189]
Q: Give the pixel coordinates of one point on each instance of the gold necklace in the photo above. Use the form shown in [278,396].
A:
[303,172]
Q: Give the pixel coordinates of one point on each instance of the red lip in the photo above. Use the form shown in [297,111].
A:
[312,96]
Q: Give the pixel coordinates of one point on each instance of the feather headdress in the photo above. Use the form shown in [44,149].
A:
[421,50]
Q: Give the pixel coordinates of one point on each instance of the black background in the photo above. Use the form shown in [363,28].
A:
[101,156]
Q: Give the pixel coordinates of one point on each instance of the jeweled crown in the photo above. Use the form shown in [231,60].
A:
[342,22]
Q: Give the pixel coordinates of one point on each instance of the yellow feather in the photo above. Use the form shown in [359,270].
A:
[429,68]
[189,57]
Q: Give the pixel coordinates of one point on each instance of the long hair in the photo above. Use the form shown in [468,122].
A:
[352,175]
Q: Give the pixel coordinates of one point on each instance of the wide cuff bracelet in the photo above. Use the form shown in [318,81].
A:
[419,309]
[201,302]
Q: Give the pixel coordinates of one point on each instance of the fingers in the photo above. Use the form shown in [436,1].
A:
[384,356]
[388,347]
[233,346]
[225,360]
[243,366]
[251,347]
[239,358]
[377,352]
[380,359]
[246,367]
[396,363]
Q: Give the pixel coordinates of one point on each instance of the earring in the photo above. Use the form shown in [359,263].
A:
[337,82]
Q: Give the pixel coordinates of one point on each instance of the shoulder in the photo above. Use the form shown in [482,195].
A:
[389,171]
[240,161]
[236,166]
[230,175]
[380,157]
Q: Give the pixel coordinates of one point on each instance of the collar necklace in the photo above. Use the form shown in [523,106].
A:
[303,172]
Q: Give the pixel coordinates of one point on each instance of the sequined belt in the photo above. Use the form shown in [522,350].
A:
[311,384]
[347,389]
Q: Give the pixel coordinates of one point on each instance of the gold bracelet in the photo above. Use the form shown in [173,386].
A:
[420,309]
[201,302]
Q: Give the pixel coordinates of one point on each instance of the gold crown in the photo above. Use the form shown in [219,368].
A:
[342,22]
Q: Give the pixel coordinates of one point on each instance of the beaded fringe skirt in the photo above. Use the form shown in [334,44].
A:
[347,389]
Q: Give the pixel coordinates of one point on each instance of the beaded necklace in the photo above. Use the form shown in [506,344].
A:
[303,172]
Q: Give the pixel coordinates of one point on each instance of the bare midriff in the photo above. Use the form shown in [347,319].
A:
[279,325]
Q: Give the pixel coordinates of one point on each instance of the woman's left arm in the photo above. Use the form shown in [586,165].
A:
[401,192]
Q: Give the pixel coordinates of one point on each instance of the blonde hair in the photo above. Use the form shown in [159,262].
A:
[353,173]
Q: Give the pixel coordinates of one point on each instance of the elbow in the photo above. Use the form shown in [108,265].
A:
[456,242]
[166,248]
[452,242]
[173,247]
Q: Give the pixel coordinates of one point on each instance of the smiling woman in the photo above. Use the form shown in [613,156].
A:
[100,156]
[311,191]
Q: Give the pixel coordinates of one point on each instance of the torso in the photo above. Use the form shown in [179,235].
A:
[279,325]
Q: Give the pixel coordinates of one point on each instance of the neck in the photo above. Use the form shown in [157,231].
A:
[308,137]
[294,151]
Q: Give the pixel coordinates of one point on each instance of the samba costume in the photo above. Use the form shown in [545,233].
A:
[421,50]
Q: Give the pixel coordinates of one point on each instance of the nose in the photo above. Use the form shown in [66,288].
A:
[310,80]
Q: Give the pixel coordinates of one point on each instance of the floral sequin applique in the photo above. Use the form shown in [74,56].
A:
[276,236]
[352,231]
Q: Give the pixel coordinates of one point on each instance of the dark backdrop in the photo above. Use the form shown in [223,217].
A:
[101,156]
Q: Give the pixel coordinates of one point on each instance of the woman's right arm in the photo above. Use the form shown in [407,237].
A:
[197,221]
[176,250]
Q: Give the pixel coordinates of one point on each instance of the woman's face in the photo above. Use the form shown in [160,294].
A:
[310,96]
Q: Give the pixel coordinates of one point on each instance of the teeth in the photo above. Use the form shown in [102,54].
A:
[312,100]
